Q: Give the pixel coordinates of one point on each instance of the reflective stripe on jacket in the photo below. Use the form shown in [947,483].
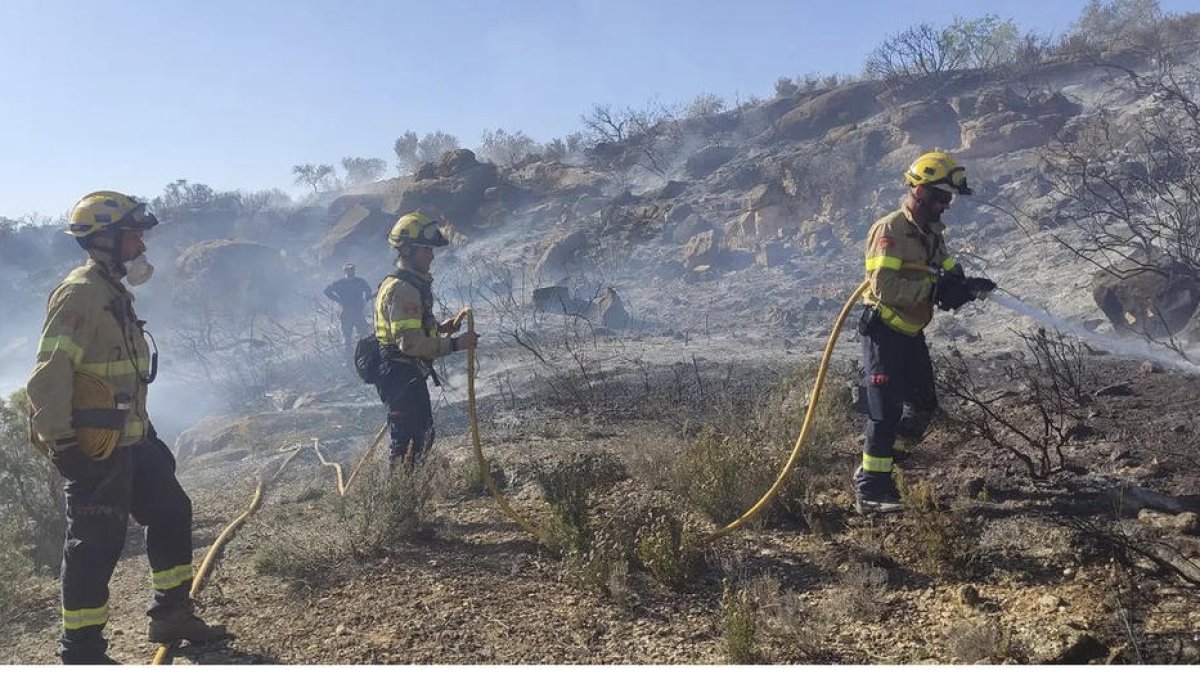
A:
[90,328]
[404,323]
[900,261]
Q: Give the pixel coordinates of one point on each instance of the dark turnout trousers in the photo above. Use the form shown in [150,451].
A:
[900,392]
[138,479]
[403,389]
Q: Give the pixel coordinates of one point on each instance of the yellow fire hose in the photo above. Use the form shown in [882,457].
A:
[485,470]
[162,655]
[164,650]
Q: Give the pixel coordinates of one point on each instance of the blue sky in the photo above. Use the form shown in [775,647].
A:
[132,95]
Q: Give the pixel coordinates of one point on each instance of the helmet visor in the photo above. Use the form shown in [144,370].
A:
[140,218]
[957,180]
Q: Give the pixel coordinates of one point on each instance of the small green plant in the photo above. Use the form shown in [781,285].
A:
[739,625]
[941,541]
[669,551]
[984,641]
[471,480]
[567,487]
[311,558]
[391,508]
[603,567]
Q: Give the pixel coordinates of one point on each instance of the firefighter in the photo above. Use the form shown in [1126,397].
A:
[909,271]
[87,396]
[410,337]
[351,294]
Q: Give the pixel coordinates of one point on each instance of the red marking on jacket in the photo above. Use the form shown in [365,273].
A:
[879,379]
[887,242]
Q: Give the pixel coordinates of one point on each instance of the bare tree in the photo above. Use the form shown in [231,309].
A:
[1129,186]
[630,137]
[915,52]
[315,176]
[1117,23]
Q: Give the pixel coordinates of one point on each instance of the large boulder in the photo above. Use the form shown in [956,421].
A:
[702,249]
[843,105]
[708,159]
[360,226]
[241,435]
[932,124]
[1002,132]
[610,311]
[455,191]
[682,231]
[558,300]
[232,275]
[559,251]
[561,180]
[1156,300]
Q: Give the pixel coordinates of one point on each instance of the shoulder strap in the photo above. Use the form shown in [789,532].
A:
[423,287]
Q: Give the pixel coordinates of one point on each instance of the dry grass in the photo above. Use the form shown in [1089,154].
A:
[382,512]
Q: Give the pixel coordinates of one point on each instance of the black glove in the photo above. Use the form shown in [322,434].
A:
[951,292]
[980,287]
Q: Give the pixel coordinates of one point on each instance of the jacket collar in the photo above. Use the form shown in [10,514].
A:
[103,262]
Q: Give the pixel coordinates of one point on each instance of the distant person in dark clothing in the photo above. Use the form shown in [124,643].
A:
[351,294]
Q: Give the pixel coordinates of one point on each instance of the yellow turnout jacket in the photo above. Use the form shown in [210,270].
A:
[90,328]
[901,263]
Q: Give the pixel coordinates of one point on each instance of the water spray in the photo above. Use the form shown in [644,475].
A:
[1110,343]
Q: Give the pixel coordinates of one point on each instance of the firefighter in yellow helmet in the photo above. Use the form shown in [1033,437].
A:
[410,337]
[909,271]
[88,410]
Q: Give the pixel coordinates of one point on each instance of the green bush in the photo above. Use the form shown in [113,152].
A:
[382,511]
[470,478]
[669,551]
[940,541]
[739,625]
[567,486]
[726,467]
[16,568]
[31,498]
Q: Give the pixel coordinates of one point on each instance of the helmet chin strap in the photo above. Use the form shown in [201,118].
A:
[95,243]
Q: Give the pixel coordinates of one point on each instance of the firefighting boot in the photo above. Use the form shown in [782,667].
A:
[93,660]
[875,493]
[181,623]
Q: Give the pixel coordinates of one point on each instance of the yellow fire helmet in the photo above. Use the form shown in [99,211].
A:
[416,229]
[108,209]
[939,170]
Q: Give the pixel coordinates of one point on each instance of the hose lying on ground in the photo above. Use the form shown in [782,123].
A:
[163,654]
